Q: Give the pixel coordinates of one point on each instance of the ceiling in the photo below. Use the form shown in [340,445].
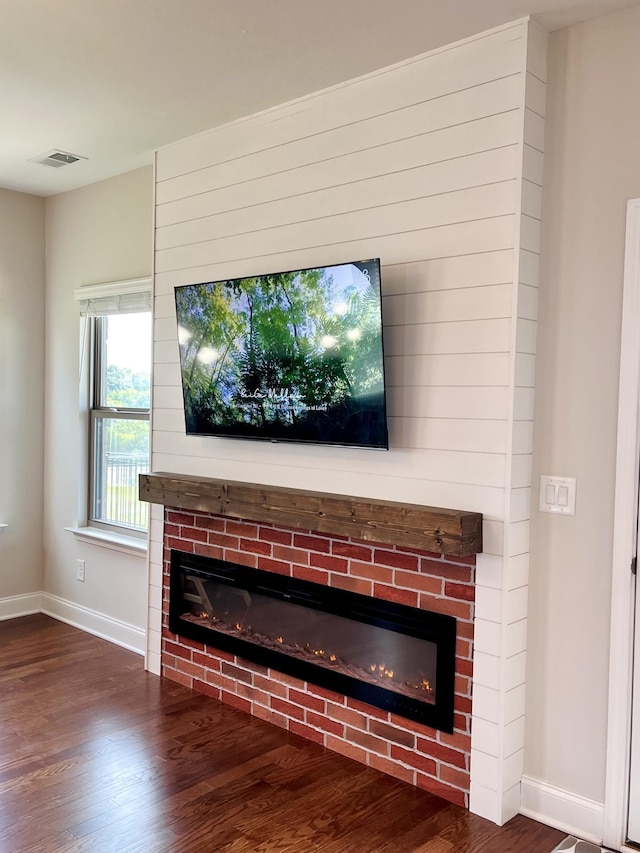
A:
[112,80]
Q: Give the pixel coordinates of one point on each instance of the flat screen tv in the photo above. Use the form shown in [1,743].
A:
[288,356]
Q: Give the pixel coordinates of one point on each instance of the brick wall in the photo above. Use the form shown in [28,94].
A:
[418,754]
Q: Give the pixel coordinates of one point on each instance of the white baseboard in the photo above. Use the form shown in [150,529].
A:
[113,630]
[563,810]
[20,605]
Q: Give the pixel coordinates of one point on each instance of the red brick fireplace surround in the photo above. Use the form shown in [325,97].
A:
[430,759]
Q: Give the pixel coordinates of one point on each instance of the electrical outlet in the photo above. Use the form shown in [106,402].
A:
[80,570]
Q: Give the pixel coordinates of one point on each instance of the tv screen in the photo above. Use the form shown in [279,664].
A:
[288,356]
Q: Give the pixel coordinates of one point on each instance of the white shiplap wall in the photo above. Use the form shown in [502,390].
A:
[502,581]
[433,165]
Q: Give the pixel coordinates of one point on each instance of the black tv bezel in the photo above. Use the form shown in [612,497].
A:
[299,441]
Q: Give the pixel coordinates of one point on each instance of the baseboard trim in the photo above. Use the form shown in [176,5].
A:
[575,815]
[115,631]
[20,605]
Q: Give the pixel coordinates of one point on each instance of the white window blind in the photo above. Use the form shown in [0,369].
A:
[114,297]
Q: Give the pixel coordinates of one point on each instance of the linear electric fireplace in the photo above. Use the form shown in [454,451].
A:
[397,658]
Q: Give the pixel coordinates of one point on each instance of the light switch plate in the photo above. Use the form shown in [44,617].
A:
[558,495]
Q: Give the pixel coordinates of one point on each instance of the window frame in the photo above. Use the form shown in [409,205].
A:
[100,412]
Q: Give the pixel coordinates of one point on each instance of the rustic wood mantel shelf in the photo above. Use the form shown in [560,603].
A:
[443,531]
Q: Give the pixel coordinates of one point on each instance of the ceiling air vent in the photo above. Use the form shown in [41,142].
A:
[56,159]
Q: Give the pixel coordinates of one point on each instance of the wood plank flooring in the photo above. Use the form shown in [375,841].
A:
[97,756]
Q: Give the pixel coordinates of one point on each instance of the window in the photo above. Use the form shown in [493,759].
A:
[121,400]
[117,332]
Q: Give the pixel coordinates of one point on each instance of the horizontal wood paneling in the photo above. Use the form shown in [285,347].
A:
[527,302]
[530,233]
[532,165]
[522,436]
[388,156]
[419,276]
[458,271]
[164,352]
[412,488]
[448,369]
[168,418]
[403,462]
[528,267]
[482,402]
[446,306]
[513,591]
[534,129]
[418,165]
[282,172]
[164,307]
[525,370]
[536,95]
[521,471]
[433,433]
[463,206]
[520,504]
[438,465]
[438,75]
[166,374]
[164,328]
[317,224]
[523,404]
[465,238]
[526,335]
[471,435]
[537,51]
[166,397]
[531,199]
[405,184]
[461,337]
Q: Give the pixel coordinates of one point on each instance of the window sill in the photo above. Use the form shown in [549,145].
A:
[114,541]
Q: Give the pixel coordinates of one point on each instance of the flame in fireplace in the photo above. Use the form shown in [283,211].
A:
[380,672]
[380,669]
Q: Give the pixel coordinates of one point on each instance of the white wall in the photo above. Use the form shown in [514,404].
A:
[21,395]
[99,233]
[413,166]
[592,166]
[434,165]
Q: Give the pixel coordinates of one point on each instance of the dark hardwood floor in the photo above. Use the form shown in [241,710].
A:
[98,756]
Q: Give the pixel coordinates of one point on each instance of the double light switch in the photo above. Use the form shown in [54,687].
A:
[558,494]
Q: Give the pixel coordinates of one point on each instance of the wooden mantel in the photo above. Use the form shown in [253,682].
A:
[444,531]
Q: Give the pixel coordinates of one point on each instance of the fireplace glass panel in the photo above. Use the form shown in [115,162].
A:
[369,653]
[393,656]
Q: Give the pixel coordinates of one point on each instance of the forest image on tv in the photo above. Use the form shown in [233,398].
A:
[292,356]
